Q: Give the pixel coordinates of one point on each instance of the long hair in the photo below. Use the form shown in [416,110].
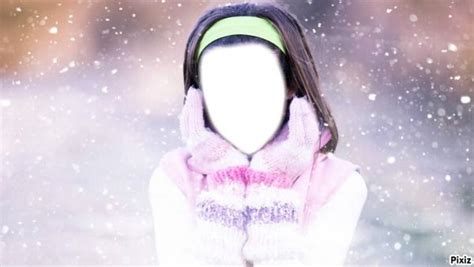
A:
[298,65]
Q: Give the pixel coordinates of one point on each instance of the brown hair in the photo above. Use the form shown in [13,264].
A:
[298,64]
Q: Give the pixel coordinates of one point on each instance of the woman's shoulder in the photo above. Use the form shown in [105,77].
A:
[330,172]
[172,170]
[354,178]
[331,160]
[355,186]
[176,155]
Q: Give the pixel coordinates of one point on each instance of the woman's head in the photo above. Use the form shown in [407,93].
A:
[300,74]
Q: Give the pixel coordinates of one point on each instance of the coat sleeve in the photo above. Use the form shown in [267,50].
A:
[172,221]
[330,233]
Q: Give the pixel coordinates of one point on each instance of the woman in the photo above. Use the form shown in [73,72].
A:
[291,202]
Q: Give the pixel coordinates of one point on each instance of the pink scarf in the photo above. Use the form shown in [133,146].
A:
[328,173]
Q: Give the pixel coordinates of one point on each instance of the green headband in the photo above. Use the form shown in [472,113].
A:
[246,25]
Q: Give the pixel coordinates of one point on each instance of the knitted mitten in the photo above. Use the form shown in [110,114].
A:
[218,203]
[209,151]
[277,180]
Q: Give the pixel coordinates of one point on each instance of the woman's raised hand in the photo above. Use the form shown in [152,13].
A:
[291,153]
[209,152]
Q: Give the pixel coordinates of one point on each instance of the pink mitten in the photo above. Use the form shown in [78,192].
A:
[277,182]
[218,203]
[209,151]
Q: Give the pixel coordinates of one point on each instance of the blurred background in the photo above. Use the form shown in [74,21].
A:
[91,90]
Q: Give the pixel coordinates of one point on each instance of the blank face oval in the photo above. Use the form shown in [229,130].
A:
[244,92]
